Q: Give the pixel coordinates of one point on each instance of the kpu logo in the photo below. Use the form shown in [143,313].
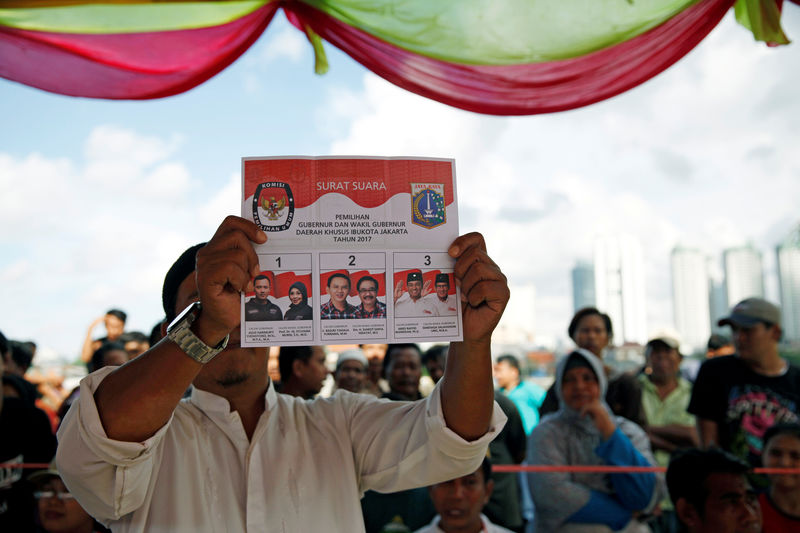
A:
[273,206]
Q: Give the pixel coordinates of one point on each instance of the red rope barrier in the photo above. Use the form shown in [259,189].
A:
[607,469]
[592,469]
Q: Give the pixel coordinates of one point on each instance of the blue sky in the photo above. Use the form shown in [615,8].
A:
[97,198]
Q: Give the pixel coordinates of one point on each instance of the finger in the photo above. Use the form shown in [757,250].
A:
[223,276]
[232,243]
[467,259]
[479,272]
[245,258]
[491,294]
[248,227]
[464,242]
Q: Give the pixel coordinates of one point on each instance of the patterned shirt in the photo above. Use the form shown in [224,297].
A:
[378,312]
[329,311]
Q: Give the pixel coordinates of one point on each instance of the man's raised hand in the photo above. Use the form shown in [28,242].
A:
[484,288]
[225,268]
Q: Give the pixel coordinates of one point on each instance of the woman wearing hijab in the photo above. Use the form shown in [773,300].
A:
[585,432]
[299,308]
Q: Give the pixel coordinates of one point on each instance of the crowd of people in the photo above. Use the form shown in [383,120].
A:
[395,438]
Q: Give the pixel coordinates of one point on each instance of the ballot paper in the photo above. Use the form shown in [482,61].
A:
[356,250]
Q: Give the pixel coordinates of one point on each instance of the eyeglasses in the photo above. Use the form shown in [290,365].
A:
[42,494]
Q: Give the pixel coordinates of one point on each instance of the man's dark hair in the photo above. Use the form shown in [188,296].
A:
[390,351]
[179,271]
[136,336]
[98,357]
[583,313]
[365,278]
[510,359]
[437,351]
[122,315]
[717,341]
[486,467]
[338,275]
[781,429]
[286,358]
[3,345]
[21,354]
[689,469]
[262,276]
[155,334]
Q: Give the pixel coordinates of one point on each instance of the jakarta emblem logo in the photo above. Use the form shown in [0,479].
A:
[427,204]
[273,206]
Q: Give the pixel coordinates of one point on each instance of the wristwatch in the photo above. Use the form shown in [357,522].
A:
[180,332]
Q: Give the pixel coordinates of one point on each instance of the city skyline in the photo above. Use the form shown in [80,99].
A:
[788,253]
[699,297]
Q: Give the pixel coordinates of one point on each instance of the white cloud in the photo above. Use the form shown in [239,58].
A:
[289,44]
[106,227]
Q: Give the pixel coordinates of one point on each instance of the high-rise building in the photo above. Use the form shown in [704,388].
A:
[582,285]
[619,286]
[690,296]
[744,277]
[789,284]
[718,305]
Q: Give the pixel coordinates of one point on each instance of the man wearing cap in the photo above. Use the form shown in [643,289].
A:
[259,308]
[237,456]
[443,304]
[665,396]
[413,302]
[737,397]
[338,291]
[351,370]
[370,306]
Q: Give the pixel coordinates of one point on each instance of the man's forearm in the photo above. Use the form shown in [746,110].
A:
[467,389]
[86,349]
[677,435]
[138,398]
[708,431]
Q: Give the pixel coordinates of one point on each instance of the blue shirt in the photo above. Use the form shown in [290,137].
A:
[527,397]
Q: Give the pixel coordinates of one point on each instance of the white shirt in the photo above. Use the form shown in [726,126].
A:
[304,470]
[488,527]
[448,307]
[406,307]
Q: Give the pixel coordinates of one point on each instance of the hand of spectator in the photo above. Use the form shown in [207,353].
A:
[96,322]
[484,290]
[225,268]
[599,415]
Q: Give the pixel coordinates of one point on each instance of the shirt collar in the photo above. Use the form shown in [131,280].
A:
[213,403]
[683,383]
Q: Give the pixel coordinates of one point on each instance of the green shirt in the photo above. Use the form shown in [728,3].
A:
[670,410]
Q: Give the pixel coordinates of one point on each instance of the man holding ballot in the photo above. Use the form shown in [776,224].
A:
[236,455]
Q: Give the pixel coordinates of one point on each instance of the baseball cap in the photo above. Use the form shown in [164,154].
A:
[750,312]
[667,336]
[671,342]
[42,476]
